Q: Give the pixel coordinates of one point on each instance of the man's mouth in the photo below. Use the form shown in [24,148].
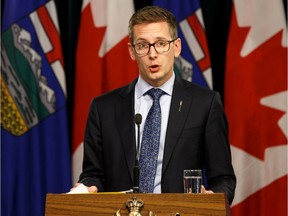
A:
[154,68]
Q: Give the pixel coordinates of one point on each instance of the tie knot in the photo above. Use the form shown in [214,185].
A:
[155,93]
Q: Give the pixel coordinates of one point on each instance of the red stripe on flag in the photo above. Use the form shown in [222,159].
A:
[52,33]
[199,32]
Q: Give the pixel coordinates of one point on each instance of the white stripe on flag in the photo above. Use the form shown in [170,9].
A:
[191,40]
[200,17]
[208,77]
[60,75]
[42,36]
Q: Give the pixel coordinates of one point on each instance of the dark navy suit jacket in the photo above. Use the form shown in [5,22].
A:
[196,138]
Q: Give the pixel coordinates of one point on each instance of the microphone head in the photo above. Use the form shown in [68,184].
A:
[138,118]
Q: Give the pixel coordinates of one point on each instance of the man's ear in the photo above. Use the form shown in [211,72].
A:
[131,51]
[178,47]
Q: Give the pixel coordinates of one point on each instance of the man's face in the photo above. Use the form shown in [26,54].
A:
[155,68]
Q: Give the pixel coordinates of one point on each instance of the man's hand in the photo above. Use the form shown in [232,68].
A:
[203,190]
[91,189]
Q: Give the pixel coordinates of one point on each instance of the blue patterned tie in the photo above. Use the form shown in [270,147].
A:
[150,143]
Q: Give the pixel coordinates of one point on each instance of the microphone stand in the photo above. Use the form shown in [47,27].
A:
[138,119]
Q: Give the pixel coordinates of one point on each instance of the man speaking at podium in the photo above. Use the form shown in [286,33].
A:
[184,125]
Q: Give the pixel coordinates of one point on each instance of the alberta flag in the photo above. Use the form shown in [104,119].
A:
[35,153]
[194,62]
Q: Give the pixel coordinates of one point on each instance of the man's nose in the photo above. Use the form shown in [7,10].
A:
[152,52]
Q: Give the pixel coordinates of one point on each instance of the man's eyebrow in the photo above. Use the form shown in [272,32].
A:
[139,40]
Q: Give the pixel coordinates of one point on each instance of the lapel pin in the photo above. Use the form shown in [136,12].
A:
[180,106]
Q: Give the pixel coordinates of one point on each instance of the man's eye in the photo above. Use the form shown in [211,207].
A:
[141,45]
[161,43]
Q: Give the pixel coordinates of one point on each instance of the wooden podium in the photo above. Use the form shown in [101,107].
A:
[155,204]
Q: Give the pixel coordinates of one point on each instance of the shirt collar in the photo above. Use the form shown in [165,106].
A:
[142,86]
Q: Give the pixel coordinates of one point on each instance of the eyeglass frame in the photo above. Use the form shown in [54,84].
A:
[153,44]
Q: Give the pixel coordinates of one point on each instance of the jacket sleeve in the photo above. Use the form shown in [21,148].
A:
[218,164]
[93,167]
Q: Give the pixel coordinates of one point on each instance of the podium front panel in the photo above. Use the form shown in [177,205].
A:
[155,204]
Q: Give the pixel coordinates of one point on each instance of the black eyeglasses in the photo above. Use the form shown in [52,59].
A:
[160,46]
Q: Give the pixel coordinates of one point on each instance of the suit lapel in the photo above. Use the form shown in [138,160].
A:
[125,124]
[180,103]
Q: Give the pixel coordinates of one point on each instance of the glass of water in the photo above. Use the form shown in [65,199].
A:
[192,181]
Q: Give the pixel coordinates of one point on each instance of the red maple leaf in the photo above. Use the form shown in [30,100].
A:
[262,73]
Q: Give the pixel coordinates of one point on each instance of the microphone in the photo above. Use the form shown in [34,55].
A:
[138,120]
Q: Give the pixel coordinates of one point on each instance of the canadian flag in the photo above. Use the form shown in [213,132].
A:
[102,61]
[256,106]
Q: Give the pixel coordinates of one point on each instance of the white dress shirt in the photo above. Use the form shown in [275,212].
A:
[143,104]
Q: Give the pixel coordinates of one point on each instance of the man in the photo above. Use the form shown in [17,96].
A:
[193,133]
